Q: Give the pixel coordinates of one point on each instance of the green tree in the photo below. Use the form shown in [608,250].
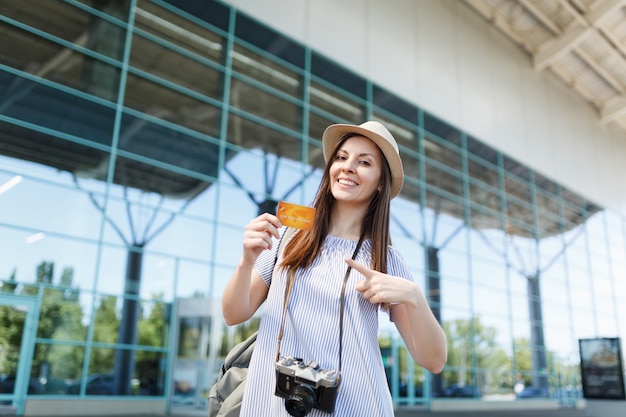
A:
[153,329]
[472,346]
[11,330]
[45,272]
[9,285]
[60,319]
[523,359]
[105,326]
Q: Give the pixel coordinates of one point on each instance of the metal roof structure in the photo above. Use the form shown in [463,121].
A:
[53,81]
[582,42]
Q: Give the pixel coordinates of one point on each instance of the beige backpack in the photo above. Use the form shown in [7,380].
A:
[226,394]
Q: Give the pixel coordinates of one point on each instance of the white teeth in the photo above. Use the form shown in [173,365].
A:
[347,182]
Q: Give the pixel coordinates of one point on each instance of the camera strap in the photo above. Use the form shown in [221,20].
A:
[288,289]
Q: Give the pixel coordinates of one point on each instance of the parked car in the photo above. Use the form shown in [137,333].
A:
[404,390]
[461,391]
[533,392]
[97,384]
[7,385]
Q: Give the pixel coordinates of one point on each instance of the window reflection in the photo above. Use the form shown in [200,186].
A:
[111,226]
[56,366]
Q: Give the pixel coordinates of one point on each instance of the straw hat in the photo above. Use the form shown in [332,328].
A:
[378,134]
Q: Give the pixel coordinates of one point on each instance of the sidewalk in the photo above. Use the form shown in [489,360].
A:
[561,412]
[421,412]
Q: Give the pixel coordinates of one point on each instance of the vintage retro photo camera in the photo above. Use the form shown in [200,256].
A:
[305,386]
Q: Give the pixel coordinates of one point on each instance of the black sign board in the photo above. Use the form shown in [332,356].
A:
[602,369]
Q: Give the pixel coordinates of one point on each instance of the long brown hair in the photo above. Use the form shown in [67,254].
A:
[306,245]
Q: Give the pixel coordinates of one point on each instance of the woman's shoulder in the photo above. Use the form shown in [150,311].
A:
[396,265]
[394,251]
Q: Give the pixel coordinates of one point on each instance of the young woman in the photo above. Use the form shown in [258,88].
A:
[325,319]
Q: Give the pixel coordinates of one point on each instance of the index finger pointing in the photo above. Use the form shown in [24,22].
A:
[367,273]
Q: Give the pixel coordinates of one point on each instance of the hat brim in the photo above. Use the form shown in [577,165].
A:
[333,134]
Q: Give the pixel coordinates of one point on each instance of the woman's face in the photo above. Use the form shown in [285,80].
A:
[355,173]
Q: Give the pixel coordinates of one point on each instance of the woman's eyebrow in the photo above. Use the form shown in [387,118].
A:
[360,155]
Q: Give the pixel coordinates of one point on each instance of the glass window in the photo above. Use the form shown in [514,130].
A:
[519,207]
[69,211]
[484,186]
[146,378]
[177,40]
[62,64]
[441,130]
[109,252]
[333,105]
[411,190]
[271,140]
[176,108]
[519,298]
[88,123]
[265,105]
[193,278]
[488,222]
[554,291]
[267,39]
[212,12]
[105,319]
[56,369]
[153,326]
[455,296]
[616,235]
[333,73]
[317,125]
[394,105]
[497,303]
[483,155]
[61,313]
[487,272]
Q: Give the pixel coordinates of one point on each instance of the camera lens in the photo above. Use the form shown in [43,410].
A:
[300,401]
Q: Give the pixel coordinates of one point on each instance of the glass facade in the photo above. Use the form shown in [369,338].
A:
[138,137]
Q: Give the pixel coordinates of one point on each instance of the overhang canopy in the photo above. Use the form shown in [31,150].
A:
[52,79]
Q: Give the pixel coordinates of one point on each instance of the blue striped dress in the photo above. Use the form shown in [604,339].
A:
[314,308]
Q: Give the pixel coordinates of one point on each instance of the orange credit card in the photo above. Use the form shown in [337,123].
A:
[294,215]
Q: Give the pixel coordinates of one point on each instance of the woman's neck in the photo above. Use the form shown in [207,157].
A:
[346,222]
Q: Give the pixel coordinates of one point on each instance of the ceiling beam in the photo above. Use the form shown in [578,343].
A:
[483,8]
[559,47]
[613,110]
[541,16]
[603,10]
[597,17]
[567,6]
[601,70]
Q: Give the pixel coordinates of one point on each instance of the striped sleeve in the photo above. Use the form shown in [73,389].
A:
[397,266]
[267,259]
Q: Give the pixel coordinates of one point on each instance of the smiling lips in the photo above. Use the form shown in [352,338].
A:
[344,181]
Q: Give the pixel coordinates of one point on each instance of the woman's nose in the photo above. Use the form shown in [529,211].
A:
[347,165]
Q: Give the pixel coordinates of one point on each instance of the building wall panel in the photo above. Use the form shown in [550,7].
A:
[452,63]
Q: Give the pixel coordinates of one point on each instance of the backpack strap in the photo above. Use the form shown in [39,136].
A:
[226,394]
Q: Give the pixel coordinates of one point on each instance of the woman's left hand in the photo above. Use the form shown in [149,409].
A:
[412,315]
[381,288]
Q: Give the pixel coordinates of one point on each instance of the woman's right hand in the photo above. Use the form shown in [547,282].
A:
[246,290]
[257,236]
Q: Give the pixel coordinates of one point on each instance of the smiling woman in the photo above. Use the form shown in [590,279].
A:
[363,172]
[139,136]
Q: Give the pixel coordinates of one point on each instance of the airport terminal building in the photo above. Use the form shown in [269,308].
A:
[139,137]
